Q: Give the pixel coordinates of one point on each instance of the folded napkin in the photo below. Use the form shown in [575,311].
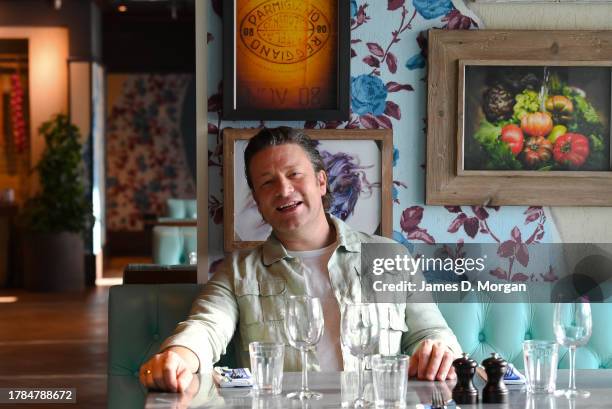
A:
[512,376]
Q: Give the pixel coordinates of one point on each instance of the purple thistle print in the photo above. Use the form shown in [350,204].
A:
[347,182]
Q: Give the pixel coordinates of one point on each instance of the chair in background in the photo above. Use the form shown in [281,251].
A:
[175,235]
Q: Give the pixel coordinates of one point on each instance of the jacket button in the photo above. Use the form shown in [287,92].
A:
[481,337]
[155,337]
[528,335]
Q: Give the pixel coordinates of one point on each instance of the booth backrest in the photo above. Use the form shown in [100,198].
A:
[141,316]
[181,208]
[483,328]
[172,244]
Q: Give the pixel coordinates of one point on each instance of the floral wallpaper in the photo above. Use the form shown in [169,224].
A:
[146,162]
[389,90]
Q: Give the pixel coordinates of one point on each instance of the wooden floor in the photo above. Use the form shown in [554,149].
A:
[57,340]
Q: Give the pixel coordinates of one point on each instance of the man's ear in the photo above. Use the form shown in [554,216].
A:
[322,179]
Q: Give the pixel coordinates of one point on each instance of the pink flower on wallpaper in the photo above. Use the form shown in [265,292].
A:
[147,162]
[409,222]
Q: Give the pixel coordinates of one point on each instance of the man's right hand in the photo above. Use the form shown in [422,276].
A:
[170,370]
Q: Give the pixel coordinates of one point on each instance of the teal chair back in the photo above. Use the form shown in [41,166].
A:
[173,244]
[140,317]
[486,327]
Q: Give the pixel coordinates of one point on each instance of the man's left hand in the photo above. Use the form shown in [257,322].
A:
[432,360]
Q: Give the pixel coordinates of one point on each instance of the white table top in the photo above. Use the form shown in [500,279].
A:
[337,389]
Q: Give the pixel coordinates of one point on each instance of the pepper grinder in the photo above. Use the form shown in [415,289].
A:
[464,391]
[495,391]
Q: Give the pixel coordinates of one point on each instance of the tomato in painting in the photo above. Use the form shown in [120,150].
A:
[537,150]
[513,137]
[571,150]
[537,124]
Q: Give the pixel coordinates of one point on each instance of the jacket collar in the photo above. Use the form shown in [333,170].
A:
[347,238]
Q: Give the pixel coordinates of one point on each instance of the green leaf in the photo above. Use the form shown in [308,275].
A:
[61,204]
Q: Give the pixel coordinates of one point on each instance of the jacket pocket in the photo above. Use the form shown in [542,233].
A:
[260,301]
[272,298]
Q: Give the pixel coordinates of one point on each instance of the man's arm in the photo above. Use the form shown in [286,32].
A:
[197,342]
[431,344]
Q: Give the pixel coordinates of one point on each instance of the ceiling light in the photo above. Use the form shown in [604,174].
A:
[122,8]
[57,4]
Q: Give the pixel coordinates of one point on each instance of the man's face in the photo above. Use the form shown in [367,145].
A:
[286,188]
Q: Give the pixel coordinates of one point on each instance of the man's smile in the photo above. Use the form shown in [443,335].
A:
[288,207]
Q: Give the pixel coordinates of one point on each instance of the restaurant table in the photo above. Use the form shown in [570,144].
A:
[339,388]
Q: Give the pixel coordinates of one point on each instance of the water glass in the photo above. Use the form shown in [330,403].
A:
[573,325]
[541,359]
[267,367]
[304,326]
[390,378]
[360,333]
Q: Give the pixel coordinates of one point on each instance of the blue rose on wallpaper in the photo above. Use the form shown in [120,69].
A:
[368,95]
[353,8]
[415,62]
[433,8]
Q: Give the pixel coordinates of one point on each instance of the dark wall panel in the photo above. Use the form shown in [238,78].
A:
[148,46]
[74,14]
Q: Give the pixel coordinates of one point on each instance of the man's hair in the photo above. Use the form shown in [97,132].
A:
[282,135]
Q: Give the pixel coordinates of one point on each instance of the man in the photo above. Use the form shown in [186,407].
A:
[309,252]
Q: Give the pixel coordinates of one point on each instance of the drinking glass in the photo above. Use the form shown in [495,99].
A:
[359,334]
[573,326]
[304,327]
[541,358]
[390,378]
[267,367]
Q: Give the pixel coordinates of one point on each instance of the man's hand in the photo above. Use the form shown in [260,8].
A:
[171,370]
[432,360]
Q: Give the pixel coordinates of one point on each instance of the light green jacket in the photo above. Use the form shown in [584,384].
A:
[249,293]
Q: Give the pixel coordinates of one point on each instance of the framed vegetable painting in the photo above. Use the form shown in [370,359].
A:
[286,60]
[523,118]
[359,168]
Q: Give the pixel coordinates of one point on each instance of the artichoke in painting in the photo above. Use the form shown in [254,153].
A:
[498,103]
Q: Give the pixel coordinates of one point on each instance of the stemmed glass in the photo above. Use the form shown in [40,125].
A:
[304,327]
[359,334]
[573,326]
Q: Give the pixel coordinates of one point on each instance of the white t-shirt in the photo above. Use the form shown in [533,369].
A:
[318,285]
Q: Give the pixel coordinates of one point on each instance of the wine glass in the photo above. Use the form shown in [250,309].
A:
[573,326]
[359,334]
[304,327]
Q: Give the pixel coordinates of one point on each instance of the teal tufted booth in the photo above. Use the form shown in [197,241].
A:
[141,316]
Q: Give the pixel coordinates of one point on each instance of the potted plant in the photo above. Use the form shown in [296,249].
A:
[55,218]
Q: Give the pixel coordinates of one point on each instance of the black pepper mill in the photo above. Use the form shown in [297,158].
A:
[495,390]
[465,392]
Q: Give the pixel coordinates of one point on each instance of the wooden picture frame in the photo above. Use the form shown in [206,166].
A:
[273,71]
[371,161]
[449,182]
